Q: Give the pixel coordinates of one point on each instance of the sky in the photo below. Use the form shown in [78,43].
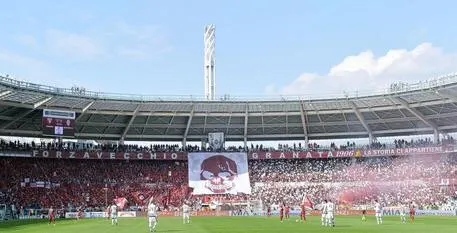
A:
[272,48]
[290,47]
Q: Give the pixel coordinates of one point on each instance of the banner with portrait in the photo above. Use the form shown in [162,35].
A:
[218,173]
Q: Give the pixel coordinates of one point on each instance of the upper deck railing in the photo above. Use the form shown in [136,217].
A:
[395,88]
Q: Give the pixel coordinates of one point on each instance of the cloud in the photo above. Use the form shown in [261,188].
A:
[34,70]
[27,40]
[11,61]
[365,71]
[141,41]
[73,44]
[25,68]
[110,41]
[86,17]
[142,51]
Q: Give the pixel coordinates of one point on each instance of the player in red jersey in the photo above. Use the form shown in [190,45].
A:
[79,213]
[412,211]
[303,213]
[286,212]
[269,211]
[51,216]
[281,212]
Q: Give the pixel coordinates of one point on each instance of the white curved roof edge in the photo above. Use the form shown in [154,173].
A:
[395,88]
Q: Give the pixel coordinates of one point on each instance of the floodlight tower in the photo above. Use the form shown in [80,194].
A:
[209,62]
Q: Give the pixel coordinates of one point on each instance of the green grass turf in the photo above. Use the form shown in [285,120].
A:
[237,225]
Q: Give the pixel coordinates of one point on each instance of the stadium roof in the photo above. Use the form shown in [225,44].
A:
[405,109]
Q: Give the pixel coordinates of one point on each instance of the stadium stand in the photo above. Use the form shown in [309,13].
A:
[31,183]
[35,183]
[416,109]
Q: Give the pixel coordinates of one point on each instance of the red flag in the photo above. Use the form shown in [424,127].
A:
[120,202]
[140,197]
[307,202]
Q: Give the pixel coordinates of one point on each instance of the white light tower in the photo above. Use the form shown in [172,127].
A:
[209,63]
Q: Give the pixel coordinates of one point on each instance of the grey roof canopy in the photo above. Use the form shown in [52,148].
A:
[421,110]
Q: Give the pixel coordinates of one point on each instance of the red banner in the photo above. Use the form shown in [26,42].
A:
[307,203]
[346,153]
[140,197]
[109,155]
[120,202]
[251,155]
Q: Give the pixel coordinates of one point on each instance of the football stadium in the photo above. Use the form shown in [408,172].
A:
[260,189]
[77,160]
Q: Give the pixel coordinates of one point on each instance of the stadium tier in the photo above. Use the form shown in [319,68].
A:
[34,177]
[72,176]
[426,108]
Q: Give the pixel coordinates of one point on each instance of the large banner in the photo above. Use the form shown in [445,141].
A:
[219,173]
[260,155]
[216,140]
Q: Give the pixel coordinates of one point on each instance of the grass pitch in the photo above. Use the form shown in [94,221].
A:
[236,225]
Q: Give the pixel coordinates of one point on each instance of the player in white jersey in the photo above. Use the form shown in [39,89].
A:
[152,215]
[403,211]
[378,212]
[185,213]
[330,214]
[113,213]
[324,212]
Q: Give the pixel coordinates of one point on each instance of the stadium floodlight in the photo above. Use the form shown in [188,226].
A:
[209,61]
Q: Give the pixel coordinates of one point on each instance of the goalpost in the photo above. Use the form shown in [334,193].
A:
[256,207]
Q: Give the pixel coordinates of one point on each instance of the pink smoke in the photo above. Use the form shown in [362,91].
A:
[401,179]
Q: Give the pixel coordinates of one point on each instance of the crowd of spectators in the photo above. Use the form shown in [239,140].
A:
[89,183]
[402,143]
[357,181]
[70,145]
[92,183]
[95,183]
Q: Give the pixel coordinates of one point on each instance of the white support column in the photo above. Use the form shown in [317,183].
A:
[170,123]
[370,139]
[121,140]
[84,110]
[17,118]
[38,104]
[4,93]
[436,136]
[186,132]
[24,114]
[364,123]
[447,95]
[420,116]
[228,125]
[304,124]
[210,61]
[87,106]
[246,118]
